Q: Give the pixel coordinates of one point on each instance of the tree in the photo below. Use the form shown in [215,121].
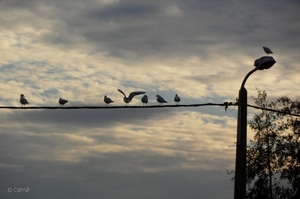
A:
[262,159]
[273,156]
[289,146]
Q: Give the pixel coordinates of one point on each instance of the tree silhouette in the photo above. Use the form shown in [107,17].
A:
[262,163]
[273,156]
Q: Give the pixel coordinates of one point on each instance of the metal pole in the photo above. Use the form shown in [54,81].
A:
[240,164]
[240,181]
[241,144]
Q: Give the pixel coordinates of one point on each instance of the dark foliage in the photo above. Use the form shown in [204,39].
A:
[273,158]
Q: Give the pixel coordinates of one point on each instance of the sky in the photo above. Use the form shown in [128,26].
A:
[83,50]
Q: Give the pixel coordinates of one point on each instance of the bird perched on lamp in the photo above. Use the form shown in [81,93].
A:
[267,50]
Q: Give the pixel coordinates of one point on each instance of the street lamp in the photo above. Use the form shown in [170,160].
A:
[262,63]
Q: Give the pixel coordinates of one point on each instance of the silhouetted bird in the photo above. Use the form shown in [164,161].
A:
[267,50]
[145,100]
[160,99]
[131,95]
[62,101]
[107,100]
[23,101]
[226,106]
[177,99]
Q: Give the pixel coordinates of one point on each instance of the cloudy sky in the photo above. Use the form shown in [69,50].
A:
[83,50]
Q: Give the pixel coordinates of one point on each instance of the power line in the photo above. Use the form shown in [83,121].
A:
[110,107]
[225,104]
[273,110]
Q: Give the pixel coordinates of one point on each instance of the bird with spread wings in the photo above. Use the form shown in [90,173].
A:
[131,95]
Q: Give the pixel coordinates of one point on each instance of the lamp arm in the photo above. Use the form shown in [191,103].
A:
[246,77]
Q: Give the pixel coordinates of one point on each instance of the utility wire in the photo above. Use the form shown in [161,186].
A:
[226,104]
[273,110]
[109,107]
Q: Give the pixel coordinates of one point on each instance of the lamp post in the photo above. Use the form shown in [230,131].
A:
[262,63]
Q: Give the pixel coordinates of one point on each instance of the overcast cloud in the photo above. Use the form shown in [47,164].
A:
[83,50]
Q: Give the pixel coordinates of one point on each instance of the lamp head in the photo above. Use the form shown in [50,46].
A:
[264,62]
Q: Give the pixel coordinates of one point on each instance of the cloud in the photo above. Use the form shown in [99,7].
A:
[83,50]
[145,144]
[68,135]
[99,43]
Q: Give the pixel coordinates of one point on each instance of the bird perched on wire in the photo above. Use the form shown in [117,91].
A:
[145,100]
[267,50]
[177,99]
[107,100]
[131,95]
[62,101]
[160,99]
[23,100]
[226,106]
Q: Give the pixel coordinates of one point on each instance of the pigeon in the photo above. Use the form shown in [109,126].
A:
[62,101]
[267,50]
[23,101]
[144,100]
[131,95]
[177,99]
[107,100]
[160,100]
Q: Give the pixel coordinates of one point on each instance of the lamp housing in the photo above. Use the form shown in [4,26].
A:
[264,62]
